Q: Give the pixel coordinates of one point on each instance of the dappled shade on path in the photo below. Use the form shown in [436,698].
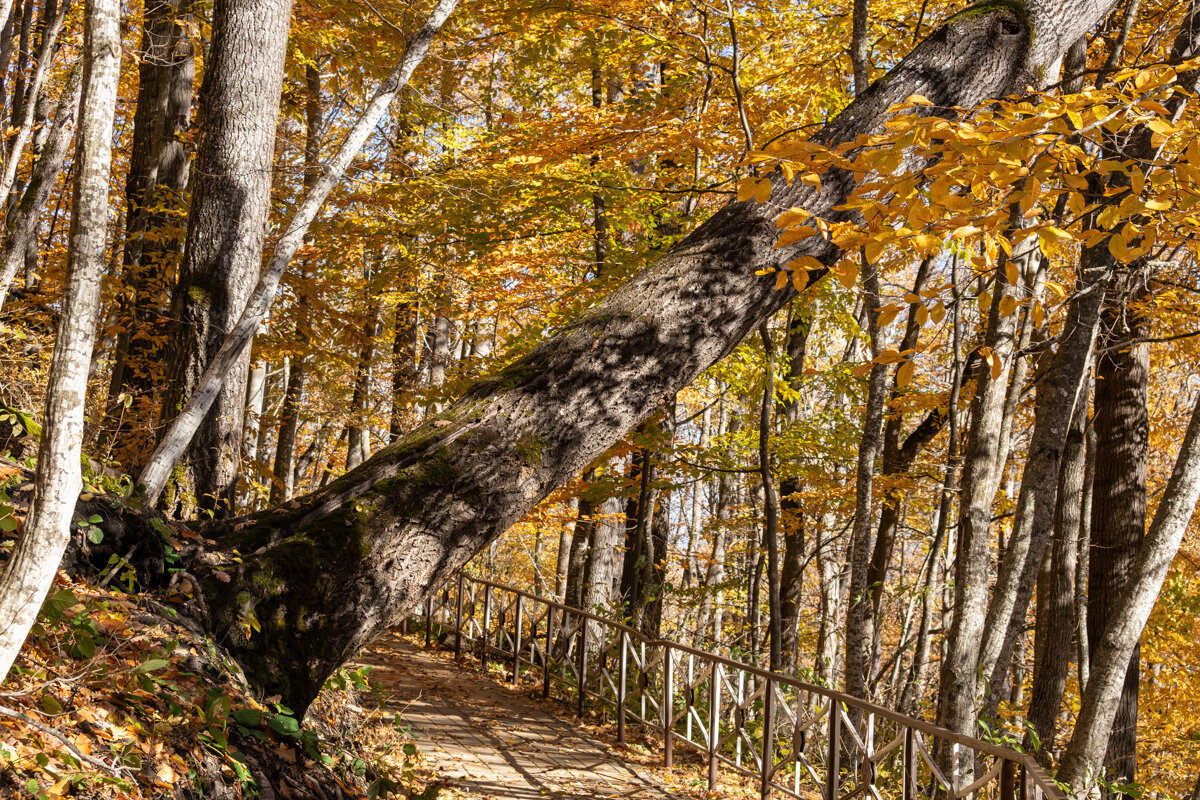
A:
[488,741]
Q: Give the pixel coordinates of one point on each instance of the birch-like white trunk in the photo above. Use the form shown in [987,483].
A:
[29,573]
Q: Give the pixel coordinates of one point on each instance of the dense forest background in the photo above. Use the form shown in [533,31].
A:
[960,435]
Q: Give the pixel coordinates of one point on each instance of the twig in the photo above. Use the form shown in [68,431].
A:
[62,737]
[112,573]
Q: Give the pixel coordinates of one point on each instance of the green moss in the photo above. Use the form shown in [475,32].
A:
[436,468]
[529,449]
[1016,7]
[199,295]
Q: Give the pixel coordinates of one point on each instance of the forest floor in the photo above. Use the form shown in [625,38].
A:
[481,736]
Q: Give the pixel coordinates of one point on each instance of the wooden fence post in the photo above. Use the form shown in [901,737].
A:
[768,742]
[516,673]
[546,653]
[458,627]
[834,771]
[668,707]
[622,665]
[714,722]
[583,628]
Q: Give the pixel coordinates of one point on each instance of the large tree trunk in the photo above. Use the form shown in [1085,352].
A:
[325,578]
[30,571]
[230,208]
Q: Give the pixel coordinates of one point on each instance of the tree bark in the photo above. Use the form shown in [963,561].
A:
[858,637]
[980,473]
[373,542]
[223,254]
[30,570]
[791,578]
[1056,594]
[1119,502]
[1103,698]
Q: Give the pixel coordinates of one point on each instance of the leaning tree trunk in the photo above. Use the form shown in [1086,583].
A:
[223,254]
[29,572]
[326,577]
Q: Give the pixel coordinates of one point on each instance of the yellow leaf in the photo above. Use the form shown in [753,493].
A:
[781,279]
[788,218]
[862,369]
[793,235]
[1056,288]
[1158,205]
[811,179]
[938,312]
[985,301]
[763,192]
[805,263]
[918,99]
[922,314]
[912,297]
[888,313]
[1012,272]
[904,374]
[994,362]
[1116,246]
[924,242]
[800,279]
[1039,314]
[746,188]
[789,171]
[888,356]
[1008,304]
[846,272]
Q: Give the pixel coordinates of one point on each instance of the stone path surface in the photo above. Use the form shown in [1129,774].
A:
[489,742]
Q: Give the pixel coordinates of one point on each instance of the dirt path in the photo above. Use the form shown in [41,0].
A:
[490,742]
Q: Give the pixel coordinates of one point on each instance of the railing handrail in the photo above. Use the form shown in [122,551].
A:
[1033,769]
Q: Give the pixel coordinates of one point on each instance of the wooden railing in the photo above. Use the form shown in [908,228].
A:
[791,737]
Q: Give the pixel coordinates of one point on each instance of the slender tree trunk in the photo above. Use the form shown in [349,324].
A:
[1058,393]
[22,223]
[360,429]
[1103,700]
[980,474]
[1055,629]
[1119,500]
[858,638]
[30,570]
[791,578]
[770,505]
[406,350]
[283,483]
[155,206]
[223,254]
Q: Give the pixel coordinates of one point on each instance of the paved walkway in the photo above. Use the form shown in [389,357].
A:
[490,742]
